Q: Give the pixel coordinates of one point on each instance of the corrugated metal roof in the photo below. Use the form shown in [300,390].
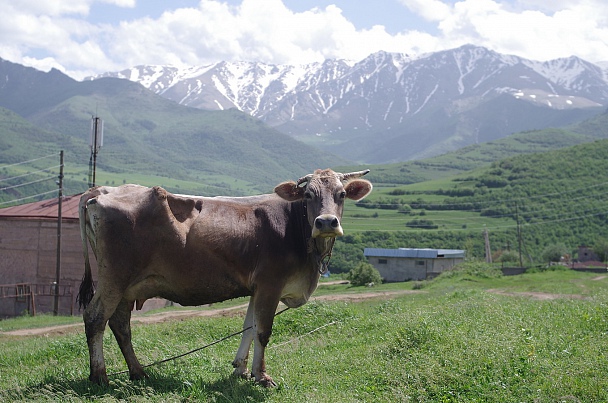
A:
[414,253]
[45,209]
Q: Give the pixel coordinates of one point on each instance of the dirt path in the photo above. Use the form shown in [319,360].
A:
[193,313]
[542,296]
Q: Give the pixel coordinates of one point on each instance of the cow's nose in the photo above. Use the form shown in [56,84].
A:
[320,223]
[327,225]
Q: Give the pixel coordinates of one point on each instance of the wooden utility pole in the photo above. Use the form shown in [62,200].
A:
[59,219]
[521,263]
[487,244]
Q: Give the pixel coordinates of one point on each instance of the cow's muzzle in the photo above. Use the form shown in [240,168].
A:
[327,226]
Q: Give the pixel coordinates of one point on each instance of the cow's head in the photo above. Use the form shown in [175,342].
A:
[324,193]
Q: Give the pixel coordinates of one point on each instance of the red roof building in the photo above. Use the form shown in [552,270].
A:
[28,257]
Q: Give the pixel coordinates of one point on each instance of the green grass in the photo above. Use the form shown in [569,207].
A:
[40,320]
[452,342]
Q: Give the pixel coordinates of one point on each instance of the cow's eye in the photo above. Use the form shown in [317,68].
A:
[342,194]
[308,196]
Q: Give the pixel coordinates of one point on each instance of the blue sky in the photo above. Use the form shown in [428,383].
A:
[84,37]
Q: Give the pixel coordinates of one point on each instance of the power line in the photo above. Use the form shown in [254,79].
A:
[25,184]
[45,170]
[28,161]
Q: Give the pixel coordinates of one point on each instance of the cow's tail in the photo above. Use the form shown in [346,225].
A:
[87,288]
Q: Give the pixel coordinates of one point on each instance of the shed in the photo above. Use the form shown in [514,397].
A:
[404,264]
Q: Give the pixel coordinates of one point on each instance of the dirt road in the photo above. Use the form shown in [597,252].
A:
[172,315]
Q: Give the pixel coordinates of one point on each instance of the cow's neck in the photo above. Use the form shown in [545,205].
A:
[320,250]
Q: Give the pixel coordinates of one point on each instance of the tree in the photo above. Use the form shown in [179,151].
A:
[507,256]
[364,274]
[601,249]
[554,253]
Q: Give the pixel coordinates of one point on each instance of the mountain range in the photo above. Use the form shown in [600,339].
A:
[392,107]
[145,134]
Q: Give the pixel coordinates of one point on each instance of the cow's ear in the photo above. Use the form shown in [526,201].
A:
[357,189]
[289,191]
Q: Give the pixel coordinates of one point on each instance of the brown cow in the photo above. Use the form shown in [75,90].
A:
[199,250]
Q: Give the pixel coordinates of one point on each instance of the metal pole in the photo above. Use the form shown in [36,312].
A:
[59,206]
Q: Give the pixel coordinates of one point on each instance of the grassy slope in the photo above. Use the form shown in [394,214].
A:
[558,198]
[483,154]
[453,342]
[148,136]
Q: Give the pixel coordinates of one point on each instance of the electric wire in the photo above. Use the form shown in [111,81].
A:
[25,184]
[45,170]
[28,161]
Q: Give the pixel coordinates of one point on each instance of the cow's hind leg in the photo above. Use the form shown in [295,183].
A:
[95,318]
[120,323]
[240,361]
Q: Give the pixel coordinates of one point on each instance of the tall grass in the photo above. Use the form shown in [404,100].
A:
[452,342]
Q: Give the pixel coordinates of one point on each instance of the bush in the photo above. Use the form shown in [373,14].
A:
[364,274]
[509,256]
[554,253]
[421,224]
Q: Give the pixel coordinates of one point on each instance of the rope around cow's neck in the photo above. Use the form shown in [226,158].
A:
[321,258]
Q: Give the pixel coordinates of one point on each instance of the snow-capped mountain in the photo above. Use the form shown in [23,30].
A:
[391,106]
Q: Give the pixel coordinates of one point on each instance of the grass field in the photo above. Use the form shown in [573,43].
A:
[467,336]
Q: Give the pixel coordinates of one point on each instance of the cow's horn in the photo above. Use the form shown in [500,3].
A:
[353,175]
[304,179]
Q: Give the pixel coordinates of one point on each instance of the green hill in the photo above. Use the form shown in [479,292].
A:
[483,154]
[556,198]
[147,139]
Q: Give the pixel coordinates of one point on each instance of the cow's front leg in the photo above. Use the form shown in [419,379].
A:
[265,306]
[240,361]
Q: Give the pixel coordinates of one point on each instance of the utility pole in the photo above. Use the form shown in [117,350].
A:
[487,244]
[521,264]
[59,219]
[96,144]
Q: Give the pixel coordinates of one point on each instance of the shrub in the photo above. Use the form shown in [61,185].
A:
[422,224]
[508,256]
[364,274]
[554,253]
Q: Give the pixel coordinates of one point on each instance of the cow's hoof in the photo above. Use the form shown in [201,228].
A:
[240,373]
[266,381]
[138,375]
[99,378]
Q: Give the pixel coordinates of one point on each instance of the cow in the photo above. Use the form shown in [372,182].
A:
[200,250]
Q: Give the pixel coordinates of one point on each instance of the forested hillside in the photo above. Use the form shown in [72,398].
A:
[558,198]
[482,154]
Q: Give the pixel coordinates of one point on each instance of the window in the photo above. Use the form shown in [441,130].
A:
[22,291]
[419,262]
[382,261]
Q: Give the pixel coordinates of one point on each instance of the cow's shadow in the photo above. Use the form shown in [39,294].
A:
[226,389]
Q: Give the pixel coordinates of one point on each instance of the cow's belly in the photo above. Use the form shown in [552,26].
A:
[189,293]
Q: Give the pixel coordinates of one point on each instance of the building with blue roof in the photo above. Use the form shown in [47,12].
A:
[404,264]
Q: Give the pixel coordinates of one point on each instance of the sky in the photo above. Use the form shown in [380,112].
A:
[86,37]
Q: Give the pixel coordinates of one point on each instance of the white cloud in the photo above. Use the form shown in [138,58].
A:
[535,29]
[430,10]
[55,33]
